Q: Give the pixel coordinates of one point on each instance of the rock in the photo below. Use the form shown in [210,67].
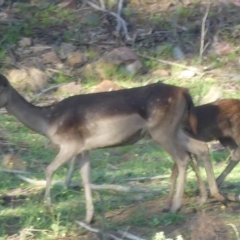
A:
[212,95]
[70,4]
[222,48]
[11,161]
[106,86]
[76,58]
[161,73]
[28,78]
[65,49]
[186,74]
[50,57]
[25,42]
[70,89]
[126,58]
[120,56]
[178,53]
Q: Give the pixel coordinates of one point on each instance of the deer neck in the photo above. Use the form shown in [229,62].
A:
[35,118]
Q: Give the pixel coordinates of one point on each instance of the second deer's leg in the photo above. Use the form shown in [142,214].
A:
[202,188]
[230,145]
[201,149]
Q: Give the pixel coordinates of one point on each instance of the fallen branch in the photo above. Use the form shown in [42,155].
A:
[147,178]
[114,187]
[13,171]
[95,230]
[170,63]
[129,235]
[46,91]
[120,20]
[203,34]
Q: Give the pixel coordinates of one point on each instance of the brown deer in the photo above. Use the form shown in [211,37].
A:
[81,123]
[219,120]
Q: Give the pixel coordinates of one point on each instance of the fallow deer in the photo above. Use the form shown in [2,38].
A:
[219,120]
[81,123]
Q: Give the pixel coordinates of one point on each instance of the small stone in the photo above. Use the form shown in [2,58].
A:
[222,48]
[76,58]
[178,53]
[106,86]
[70,88]
[135,67]
[66,49]
[50,57]
[25,42]
[186,74]
[161,73]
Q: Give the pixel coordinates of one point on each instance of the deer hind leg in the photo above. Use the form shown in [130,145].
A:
[84,162]
[230,145]
[173,179]
[180,156]
[64,155]
[200,148]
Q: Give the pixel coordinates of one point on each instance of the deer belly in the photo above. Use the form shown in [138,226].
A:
[113,131]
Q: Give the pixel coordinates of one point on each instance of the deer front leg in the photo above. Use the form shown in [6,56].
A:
[64,155]
[84,161]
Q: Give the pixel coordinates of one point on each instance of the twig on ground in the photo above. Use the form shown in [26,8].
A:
[129,235]
[114,187]
[171,63]
[95,230]
[203,33]
[120,20]
[46,91]
[13,171]
[147,178]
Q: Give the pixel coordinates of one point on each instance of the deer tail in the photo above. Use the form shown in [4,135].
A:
[192,118]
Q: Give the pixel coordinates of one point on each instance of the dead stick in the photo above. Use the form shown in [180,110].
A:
[95,230]
[129,235]
[147,178]
[166,62]
[114,187]
[203,33]
[46,91]
[13,171]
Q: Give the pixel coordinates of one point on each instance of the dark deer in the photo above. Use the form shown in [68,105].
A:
[219,120]
[81,123]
